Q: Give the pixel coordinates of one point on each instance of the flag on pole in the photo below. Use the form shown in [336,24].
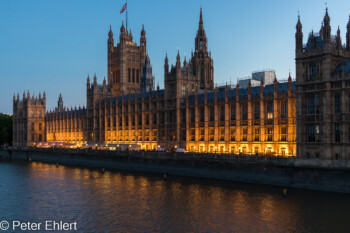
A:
[123,9]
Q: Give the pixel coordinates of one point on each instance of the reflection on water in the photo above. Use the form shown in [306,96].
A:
[123,202]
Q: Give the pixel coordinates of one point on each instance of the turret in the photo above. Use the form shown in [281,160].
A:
[289,85]
[88,82]
[166,64]
[123,33]
[110,38]
[338,39]
[299,35]
[178,63]
[326,28]
[143,40]
[95,81]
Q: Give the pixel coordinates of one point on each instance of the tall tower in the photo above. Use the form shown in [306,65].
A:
[125,62]
[322,94]
[29,120]
[203,67]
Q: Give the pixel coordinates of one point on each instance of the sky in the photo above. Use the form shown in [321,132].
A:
[52,45]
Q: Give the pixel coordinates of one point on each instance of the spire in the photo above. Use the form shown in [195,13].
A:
[143,32]
[95,80]
[178,60]
[326,27]
[110,33]
[201,19]
[166,59]
[338,39]
[122,28]
[299,35]
[201,39]
[143,37]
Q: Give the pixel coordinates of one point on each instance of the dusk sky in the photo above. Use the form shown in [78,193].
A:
[53,45]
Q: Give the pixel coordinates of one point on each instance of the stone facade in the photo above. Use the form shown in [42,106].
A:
[189,113]
[29,119]
[323,93]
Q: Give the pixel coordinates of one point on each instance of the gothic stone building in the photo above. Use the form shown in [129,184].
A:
[308,118]
[323,93]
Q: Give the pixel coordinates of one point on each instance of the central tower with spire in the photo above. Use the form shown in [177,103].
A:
[203,67]
[195,74]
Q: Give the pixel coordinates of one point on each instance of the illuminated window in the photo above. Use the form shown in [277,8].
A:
[269,110]
[284,134]
[233,134]
[245,133]
[313,133]
[269,134]
[256,134]
[183,90]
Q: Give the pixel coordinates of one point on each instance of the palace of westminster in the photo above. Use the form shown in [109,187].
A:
[308,118]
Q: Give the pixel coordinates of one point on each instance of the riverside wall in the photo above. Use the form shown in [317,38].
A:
[325,175]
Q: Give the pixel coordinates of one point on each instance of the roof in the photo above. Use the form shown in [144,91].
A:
[243,92]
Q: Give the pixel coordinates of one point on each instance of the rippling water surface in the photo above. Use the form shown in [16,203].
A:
[123,202]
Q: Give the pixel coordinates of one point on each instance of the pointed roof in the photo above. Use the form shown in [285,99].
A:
[110,33]
[201,19]
[299,23]
[326,18]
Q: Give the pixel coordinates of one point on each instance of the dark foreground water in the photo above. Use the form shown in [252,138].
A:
[123,202]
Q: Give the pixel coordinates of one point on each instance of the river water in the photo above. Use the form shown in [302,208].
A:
[129,202]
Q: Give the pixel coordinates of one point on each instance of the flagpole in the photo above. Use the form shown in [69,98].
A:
[126,13]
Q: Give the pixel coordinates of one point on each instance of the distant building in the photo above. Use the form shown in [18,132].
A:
[243,83]
[267,77]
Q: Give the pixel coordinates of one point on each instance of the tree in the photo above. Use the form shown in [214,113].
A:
[6,134]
